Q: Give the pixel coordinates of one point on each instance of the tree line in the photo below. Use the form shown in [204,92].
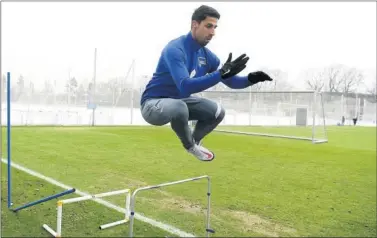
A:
[115,91]
[333,79]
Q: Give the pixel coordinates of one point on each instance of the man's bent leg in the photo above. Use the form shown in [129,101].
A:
[208,114]
[161,111]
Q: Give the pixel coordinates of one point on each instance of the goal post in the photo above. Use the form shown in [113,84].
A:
[296,115]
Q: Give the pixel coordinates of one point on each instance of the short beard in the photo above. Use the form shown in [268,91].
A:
[203,43]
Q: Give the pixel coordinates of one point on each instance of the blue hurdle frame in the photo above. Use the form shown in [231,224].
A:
[9,160]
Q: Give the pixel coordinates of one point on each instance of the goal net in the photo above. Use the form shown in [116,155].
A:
[284,114]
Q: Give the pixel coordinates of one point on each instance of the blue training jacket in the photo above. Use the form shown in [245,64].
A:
[185,68]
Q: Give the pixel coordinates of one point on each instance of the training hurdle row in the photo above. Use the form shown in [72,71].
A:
[130,200]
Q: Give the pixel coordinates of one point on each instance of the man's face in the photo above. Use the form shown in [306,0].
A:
[204,31]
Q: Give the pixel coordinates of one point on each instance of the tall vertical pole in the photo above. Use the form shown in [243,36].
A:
[342,105]
[94,87]
[69,87]
[314,108]
[250,105]
[357,108]
[132,90]
[290,107]
[8,140]
[1,115]
[323,116]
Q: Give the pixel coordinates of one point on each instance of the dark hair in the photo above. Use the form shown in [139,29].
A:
[204,11]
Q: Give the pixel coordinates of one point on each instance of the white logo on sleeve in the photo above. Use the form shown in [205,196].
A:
[193,73]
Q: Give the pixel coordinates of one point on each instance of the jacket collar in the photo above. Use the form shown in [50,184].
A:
[192,44]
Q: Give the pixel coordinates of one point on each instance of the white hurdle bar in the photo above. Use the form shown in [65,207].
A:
[58,232]
[132,205]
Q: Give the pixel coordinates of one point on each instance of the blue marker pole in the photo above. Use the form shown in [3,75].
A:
[8,140]
[45,199]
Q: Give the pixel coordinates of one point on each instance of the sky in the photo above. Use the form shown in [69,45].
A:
[56,40]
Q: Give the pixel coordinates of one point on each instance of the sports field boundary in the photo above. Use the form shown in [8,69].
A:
[160,225]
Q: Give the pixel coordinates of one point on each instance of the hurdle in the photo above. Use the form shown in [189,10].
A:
[133,197]
[58,232]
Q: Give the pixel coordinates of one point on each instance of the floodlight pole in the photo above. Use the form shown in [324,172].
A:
[94,87]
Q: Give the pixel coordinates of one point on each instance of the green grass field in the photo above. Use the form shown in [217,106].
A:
[260,186]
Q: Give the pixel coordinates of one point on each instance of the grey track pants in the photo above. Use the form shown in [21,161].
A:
[179,112]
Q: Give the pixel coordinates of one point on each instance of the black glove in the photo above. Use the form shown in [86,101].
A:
[258,76]
[230,69]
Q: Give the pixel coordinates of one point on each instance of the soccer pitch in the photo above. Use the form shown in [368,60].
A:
[260,186]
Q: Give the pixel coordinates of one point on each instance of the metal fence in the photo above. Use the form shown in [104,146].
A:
[121,106]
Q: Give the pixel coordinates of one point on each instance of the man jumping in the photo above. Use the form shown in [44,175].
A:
[187,67]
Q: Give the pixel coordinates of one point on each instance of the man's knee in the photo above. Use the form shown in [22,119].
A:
[162,111]
[220,112]
[203,109]
[179,110]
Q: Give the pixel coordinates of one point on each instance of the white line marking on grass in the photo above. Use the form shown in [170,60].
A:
[150,221]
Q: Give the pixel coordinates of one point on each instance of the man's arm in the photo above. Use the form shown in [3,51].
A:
[237,82]
[174,59]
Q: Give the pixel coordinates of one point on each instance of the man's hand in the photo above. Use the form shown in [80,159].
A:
[258,76]
[230,69]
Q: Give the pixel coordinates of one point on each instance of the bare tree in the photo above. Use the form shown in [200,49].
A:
[340,78]
[332,76]
[71,89]
[351,78]
[314,79]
